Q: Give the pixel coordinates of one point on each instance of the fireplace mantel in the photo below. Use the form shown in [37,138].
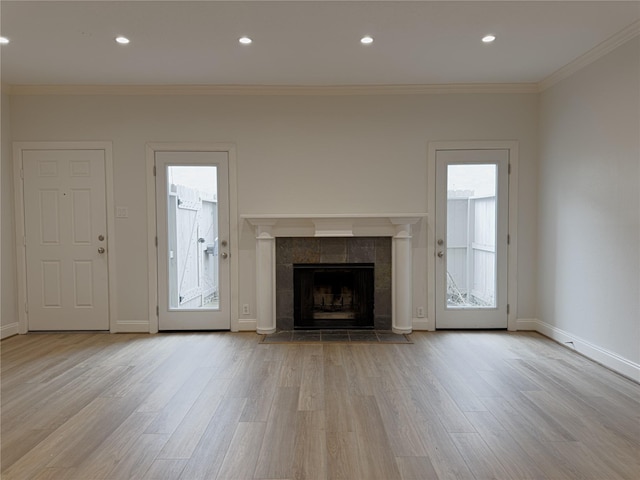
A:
[397,226]
[332,225]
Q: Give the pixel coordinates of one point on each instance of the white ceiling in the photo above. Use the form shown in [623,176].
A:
[300,42]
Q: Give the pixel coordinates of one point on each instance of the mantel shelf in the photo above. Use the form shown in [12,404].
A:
[395,218]
[333,225]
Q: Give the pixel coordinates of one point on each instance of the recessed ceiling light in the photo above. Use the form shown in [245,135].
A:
[366,40]
[122,40]
[488,38]
[4,40]
[245,40]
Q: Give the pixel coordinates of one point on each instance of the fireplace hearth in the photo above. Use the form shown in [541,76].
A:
[333,296]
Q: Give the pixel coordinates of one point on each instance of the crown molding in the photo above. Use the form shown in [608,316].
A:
[325,90]
[599,51]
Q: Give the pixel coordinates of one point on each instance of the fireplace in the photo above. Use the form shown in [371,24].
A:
[333,296]
[283,240]
[339,264]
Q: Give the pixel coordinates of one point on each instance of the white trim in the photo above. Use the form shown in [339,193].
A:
[152,249]
[272,89]
[591,56]
[527,324]
[234,233]
[234,249]
[395,218]
[9,330]
[598,354]
[111,243]
[132,326]
[18,147]
[421,324]
[247,325]
[398,226]
[333,224]
[18,192]
[512,272]
[512,276]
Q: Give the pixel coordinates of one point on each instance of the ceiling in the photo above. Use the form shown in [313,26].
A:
[299,42]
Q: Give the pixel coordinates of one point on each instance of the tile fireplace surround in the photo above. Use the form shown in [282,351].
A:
[333,250]
[397,226]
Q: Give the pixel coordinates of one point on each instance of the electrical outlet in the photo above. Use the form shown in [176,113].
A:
[245,309]
[122,212]
[420,312]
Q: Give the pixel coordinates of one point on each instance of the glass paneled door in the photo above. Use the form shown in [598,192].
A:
[471,238]
[193,238]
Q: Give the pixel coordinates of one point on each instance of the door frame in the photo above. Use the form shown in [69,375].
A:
[152,227]
[512,230]
[21,248]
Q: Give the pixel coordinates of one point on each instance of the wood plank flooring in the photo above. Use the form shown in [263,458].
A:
[222,406]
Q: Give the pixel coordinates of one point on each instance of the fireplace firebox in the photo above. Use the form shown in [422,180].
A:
[333,296]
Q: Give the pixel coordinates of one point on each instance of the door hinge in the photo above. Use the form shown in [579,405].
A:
[508,308]
[24,240]
[156,241]
[508,239]
[157,311]
[509,169]
[154,170]
[22,173]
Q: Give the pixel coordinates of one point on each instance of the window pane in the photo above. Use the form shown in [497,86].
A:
[471,236]
[193,237]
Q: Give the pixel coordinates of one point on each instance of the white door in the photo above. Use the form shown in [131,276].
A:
[66,230]
[192,207]
[471,238]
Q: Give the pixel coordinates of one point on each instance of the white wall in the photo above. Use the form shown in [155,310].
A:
[8,310]
[589,206]
[295,154]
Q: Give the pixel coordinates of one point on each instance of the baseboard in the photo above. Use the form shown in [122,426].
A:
[132,326]
[7,331]
[247,325]
[527,324]
[420,324]
[598,354]
[142,326]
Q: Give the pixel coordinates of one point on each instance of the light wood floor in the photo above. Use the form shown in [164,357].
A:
[221,406]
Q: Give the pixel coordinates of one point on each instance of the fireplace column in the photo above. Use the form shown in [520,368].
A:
[401,295]
[265,278]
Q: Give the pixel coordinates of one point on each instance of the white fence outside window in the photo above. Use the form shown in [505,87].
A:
[471,251]
[193,249]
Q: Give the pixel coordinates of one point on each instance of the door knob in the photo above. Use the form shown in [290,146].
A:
[224,254]
[440,241]
[101,250]
[440,254]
